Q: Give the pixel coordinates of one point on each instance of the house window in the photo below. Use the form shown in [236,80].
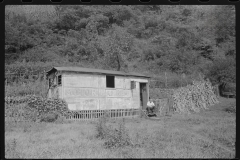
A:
[133,85]
[50,82]
[110,82]
[60,80]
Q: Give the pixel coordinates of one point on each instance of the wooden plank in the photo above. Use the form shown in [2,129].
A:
[87,115]
[95,114]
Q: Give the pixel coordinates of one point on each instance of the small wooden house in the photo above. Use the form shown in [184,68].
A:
[86,89]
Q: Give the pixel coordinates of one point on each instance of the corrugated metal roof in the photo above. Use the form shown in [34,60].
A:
[99,71]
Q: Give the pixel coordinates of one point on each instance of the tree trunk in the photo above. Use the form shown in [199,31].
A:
[119,63]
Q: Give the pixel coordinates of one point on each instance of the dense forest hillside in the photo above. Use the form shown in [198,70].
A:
[148,39]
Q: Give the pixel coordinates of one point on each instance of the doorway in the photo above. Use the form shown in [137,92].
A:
[143,95]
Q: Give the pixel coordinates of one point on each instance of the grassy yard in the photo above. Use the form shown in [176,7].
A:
[208,134]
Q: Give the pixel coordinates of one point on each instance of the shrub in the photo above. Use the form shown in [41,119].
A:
[101,128]
[231,108]
[114,137]
[49,117]
[14,113]
[221,71]
[46,107]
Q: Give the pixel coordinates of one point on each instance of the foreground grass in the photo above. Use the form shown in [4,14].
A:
[208,134]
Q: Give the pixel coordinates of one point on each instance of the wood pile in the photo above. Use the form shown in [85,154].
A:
[193,98]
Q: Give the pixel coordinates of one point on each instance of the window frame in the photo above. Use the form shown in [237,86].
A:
[58,80]
[107,86]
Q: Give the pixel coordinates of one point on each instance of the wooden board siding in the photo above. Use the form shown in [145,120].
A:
[89,92]
[82,81]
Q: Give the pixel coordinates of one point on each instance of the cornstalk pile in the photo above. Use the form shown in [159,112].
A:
[194,97]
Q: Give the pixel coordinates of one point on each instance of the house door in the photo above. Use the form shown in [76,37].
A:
[143,95]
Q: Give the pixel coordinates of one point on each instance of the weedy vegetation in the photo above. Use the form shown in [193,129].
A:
[207,134]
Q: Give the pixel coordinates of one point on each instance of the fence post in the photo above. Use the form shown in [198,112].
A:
[165,80]
[44,75]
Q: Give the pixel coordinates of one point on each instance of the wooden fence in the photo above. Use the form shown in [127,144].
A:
[96,114]
[162,107]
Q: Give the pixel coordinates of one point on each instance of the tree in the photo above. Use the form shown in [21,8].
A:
[116,48]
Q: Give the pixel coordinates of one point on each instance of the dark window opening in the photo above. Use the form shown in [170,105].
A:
[133,85]
[60,80]
[50,82]
[110,82]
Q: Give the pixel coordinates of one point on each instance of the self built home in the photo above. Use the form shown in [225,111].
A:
[94,90]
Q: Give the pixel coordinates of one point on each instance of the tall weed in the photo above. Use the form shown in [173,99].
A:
[36,88]
[11,149]
[114,137]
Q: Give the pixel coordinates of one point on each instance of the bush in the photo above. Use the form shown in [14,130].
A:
[114,137]
[101,128]
[222,71]
[49,117]
[30,114]
[15,113]
[118,137]
[45,106]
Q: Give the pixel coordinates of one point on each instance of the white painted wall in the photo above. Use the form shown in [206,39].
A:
[89,92]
